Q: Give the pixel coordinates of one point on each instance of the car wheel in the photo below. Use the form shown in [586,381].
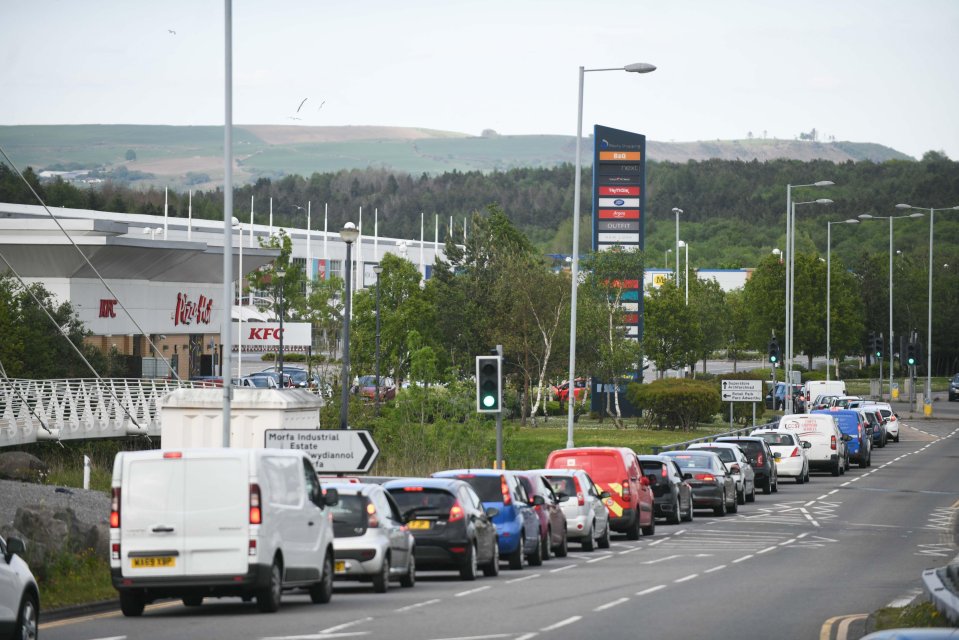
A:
[132,603]
[741,496]
[192,601]
[863,461]
[468,568]
[381,581]
[651,529]
[491,569]
[535,557]
[517,557]
[562,550]
[768,486]
[588,542]
[733,506]
[800,478]
[837,468]
[776,484]
[409,578]
[752,494]
[322,591]
[689,512]
[721,509]
[268,598]
[633,532]
[896,439]
[673,517]
[604,539]
[28,619]
[546,544]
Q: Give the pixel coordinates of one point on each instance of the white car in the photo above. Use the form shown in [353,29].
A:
[19,595]
[371,539]
[587,519]
[789,451]
[737,464]
[892,420]
[827,448]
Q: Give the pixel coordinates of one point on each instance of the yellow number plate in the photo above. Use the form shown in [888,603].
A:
[420,524]
[340,566]
[152,563]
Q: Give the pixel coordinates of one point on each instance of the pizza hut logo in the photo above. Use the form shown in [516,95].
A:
[189,312]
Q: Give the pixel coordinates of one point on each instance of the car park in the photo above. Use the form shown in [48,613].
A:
[711,486]
[827,448]
[853,424]
[517,527]
[737,464]
[587,519]
[761,459]
[672,495]
[546,506]
[451,528]
[789,452]
[19,594]
[891,418]
[617,472]
[365,387]
[371,538]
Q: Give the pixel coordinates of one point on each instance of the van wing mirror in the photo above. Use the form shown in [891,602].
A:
[331,498]
[806,444]
[15,546]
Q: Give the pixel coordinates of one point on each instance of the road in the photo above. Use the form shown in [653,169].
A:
[829,550]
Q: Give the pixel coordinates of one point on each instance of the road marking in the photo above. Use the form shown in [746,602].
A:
[112,638]
[320,636]
[489,637]
[599,558]
[904,600]
[468,592]
[809,517]
[787,542]
[410,607]
[812,502]
[843,631]
[687,578]
[529,577]
[822,497]
[747,557]
[722,566]
[832,492]
[569,566]
[661,559]
[527,636]
[346,625]
[844,483]
[680,532]
[107,614]
[629,550]
[644,592]
[802,535]
[658,541]
[610,605]
[766,550]
[562,623]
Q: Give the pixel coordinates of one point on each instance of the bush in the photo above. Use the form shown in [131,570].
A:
[676,402]
[292,356]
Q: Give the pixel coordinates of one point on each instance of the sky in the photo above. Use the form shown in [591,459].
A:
[876,71]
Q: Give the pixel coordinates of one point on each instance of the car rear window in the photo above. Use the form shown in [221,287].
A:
[602,466]
[651,466]
[562,484]
[692,460]
[422,501]
[725,454]
[349,516]
[752,449]
[488,488]
[777,439]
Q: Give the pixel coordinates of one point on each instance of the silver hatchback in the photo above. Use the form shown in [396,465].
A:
[587,519]
[371,540]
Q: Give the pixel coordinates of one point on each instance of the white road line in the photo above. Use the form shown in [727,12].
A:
[802,535]
[489,637]
[629,550]
[822,497]
[527,636]
[722,566]
[113,638]
[743,558]
[691,576]
[598,559]
[844,483]
[680,532]
[610,605]
[766,550]
[810,518]
[644,592]
[812,502]
[832,492]
[410,607]
[320,636]
[657,542]
[661,559]
[562,623]
[569,566]
[346,625]
[529,577]
[787,542]
[468,592]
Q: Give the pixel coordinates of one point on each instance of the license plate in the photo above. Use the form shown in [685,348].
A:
[152,563]
[340,566]
[420,524]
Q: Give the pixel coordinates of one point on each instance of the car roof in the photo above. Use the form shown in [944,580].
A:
[350,488]
[448,484]
[739,439]
[654,458]
[452,473]
[721,445]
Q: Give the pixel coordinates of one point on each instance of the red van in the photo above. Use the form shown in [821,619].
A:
[616,471]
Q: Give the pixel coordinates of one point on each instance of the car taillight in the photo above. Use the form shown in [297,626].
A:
[256,515]
[173,455]
[832,442]
[456,512]
[626,490]
[759,459]
[115,508]
[504,488]
[580,496]
[795,453]
[663,472]
[372,521]
[115,551]
[706,477]
[251,549]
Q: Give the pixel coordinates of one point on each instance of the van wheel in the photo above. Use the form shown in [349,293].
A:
[268,598]
[588,542]
[192,601]
[468,568]
[409,578]
[651,529]
[633,532]
[27,620]
[381,581]
[132,603]
[322,591]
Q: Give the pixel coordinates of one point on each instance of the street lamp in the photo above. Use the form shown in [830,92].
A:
[666,258]
[239,300]
[349,233]
[636,67]
[829,225]
[932,217]
[685,245]
[378,269]
[280,273]
[677,211]
[866,216]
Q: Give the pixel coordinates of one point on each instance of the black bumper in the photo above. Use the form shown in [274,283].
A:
[258,577]
[624,522]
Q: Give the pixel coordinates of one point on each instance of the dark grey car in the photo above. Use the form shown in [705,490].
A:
[672,495]
[712,487]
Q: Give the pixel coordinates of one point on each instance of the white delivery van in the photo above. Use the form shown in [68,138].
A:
[827,448]
[193,523]
[816,388]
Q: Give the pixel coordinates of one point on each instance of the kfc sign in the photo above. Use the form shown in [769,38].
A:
[189,312]
[106,309]
[264,333]
[267,334]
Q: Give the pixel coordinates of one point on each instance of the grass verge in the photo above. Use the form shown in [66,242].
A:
[73,579]
[921,614]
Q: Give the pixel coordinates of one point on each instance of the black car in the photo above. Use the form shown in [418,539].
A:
[712,487]
[672,495]
[761,459]
[451,528]
[954,388]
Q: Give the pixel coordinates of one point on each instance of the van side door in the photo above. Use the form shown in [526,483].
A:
[318,526]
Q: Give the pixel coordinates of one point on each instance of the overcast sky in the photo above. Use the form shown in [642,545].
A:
[880,71]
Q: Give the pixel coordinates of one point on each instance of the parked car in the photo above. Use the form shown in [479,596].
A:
[19,594]
[219,522]
[953,389]
[712,487]
[546,506]
[616,471]
[257,382]
[891,418]
[294,377]
[878,424]
[737,464]
[279,381]
[517,527]
[853,423]
[672,495]
[789,452]
[827,448]
[776,398]
[587,519]
[841,402]
[761,459]
[365,387]
[451,528]
[371,537]
[561,391]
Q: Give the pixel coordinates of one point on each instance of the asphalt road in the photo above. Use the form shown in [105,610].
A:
[830,550]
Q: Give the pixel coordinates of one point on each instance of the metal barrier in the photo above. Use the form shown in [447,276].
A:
[745,431]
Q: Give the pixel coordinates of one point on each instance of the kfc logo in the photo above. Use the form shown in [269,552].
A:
[189,312]
[106,309]
[264,333]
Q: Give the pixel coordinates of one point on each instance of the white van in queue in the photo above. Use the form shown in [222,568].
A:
[194,523]
[828,444]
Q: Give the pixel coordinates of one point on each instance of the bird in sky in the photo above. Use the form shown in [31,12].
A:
[321,105]
[171,31]
[301,105]
[294,118]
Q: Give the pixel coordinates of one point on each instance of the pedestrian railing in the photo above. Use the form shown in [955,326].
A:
[745,431]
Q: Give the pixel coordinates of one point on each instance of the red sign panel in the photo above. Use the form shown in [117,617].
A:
[106,309]
[619,214]
[189,312]
[630,318]
[618,191]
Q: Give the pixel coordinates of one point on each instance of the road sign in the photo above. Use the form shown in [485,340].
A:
[742,390]
[331,451]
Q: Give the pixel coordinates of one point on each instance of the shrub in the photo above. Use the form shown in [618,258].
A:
[676,402]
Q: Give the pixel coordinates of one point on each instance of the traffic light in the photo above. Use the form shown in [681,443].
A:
[912,354]
[877,346]
[489,383]
[774,351]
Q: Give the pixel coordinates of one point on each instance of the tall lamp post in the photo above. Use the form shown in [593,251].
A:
[677,211]
[829,225]
[685,246]
[349,233]
[280,273]
[866,216]
[239,301]
[378,269]
[666,258]
[932,216]
[636,67]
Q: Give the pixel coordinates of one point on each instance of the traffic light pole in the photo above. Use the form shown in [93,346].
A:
[499,422]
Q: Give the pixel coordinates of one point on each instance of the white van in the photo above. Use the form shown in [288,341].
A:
[827,443]
[194,523]
[816,388]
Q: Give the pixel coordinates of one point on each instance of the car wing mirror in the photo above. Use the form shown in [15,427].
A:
[604,495]
[562,497]
[735,469]
[537,501]
[777,455]
[492,512]
[15,546]
[331,498]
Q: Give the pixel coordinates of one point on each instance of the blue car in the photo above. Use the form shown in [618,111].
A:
[853,424]
[517,525]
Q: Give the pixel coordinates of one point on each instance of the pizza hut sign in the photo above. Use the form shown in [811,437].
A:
[190,312]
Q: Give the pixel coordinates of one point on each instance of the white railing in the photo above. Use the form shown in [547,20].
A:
[75,409]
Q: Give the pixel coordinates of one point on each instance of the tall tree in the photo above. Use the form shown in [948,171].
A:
[670,332]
